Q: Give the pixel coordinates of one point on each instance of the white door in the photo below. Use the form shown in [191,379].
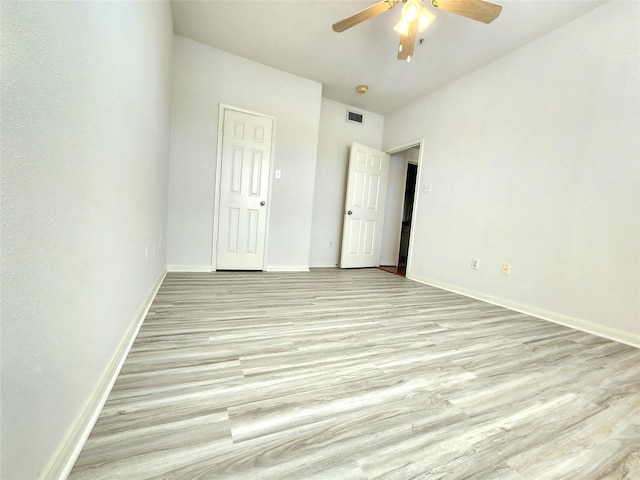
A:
[364,207]
[244,184]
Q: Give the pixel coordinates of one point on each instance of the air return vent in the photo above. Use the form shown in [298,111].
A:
[354,117]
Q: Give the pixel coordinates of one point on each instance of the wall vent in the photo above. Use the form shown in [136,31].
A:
[354,117]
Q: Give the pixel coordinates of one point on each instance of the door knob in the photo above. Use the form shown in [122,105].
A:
[349,212]
[262,203]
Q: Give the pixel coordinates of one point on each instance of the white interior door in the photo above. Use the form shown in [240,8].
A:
[364,207]
[244,184]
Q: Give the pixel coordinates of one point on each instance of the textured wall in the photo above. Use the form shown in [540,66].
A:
[85,132]
[535,161]
[335,139]
[204,77]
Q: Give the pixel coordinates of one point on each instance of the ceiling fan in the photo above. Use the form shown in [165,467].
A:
[415,17]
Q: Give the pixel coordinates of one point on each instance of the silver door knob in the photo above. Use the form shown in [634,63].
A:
[349,212]
[262,203]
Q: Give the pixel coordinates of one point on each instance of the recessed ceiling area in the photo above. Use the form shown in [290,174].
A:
[296,36]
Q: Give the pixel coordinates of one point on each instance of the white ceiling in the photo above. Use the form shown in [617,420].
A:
[296,36]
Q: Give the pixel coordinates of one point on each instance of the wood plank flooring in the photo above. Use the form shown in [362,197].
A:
[360,374]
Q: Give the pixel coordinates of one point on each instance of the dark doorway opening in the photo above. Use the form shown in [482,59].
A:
[407,213]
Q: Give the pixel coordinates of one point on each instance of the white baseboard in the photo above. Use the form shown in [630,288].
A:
[287,268]
[189,268]
[620,336]
[324,265]
[70,447]
[207,268]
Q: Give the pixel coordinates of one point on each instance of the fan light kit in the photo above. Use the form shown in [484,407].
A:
[413,10]
[416,18]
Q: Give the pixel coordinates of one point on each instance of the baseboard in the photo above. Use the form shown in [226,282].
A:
[576,323]
[323,265]
[189,268]
[69,449]
[207,268]
[287,268]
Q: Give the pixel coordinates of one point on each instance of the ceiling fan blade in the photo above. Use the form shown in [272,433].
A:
[363,15]
[485,12]
[408,41]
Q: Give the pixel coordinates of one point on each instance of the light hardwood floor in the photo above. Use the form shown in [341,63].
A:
[360,374]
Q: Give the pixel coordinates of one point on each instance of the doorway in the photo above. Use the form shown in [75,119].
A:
[402,194]
[407,217]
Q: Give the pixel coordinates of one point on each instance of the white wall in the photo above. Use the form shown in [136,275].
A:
[335,139]
[390,243]
[204,77]
[534,161]
[85,129]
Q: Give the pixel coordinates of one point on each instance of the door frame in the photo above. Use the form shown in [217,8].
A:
[416,197]
[222,107]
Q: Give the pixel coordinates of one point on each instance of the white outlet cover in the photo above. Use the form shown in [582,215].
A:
[278,174]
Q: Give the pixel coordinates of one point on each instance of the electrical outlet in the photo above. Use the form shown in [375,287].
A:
[475,263]
[506,268]
[330,244]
